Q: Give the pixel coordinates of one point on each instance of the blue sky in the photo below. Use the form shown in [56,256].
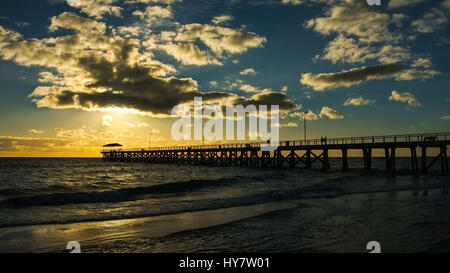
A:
[361,70]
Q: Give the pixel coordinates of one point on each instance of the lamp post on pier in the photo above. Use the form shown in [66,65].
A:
[304,119]
[150,140]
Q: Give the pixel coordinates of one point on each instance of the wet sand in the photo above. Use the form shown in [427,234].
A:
[109,236]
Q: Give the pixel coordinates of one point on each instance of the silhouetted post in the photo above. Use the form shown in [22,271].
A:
[414,163]
[304,120]
[292,159]
[393,159]
[424,159]
[388,159]
[326,161]
[444,160]
[308,159]
[344,160]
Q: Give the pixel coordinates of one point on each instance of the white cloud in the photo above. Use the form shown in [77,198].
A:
[166,2]
[82,133]
[248,71]
[330,113]
[446,117]
[422,62]
[136,125]
[220,39]
[358,102]
[220,19]
[412,74]
[291,2]
[154,14]
[405,97]
[250,88]
[98,8]
[189,54]
[288,125]
[431,21]
[348,50]
[310,115]
[107,120]
[355,18]
[36,132]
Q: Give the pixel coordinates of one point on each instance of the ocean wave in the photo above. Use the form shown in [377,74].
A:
[120,195]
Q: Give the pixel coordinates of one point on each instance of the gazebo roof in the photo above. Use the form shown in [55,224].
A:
[112,145]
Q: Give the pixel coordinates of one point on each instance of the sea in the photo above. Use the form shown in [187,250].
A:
[45,203]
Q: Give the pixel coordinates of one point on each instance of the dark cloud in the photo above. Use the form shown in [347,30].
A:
[347,78]
[98,70]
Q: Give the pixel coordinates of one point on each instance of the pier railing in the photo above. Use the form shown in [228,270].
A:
[409,138]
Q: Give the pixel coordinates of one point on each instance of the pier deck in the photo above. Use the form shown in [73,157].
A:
[294,153]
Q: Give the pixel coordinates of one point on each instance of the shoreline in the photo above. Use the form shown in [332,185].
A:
[52,238]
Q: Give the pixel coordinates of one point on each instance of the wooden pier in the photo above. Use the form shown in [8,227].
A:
[291,154]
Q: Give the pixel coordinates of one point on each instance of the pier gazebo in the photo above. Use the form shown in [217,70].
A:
[112,147]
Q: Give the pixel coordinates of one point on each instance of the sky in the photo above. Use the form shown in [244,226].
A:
[82,73]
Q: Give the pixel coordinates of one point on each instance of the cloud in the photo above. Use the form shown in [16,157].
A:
[107,120]
[22,24]
[220,19]
[347,78]
[288,125]
[25,144]
[291,2]
[93,70]
[405,97]
[155,14]
[403,3]
[137,125]
[36,132]
[422,62]
[310,115]
[126,134]
[355,76]
[353,17]
[82,133]
[330,113]
[358,102]
[189,54]
[445,4]
[430,21]
[167,2]
[98,8]
[220,39]
[248,71]
[249,88]
[253,89]
[348,50]
[412,74]
[446,117]
[269,98]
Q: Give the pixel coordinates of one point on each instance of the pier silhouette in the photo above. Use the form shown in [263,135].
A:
[293,153]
